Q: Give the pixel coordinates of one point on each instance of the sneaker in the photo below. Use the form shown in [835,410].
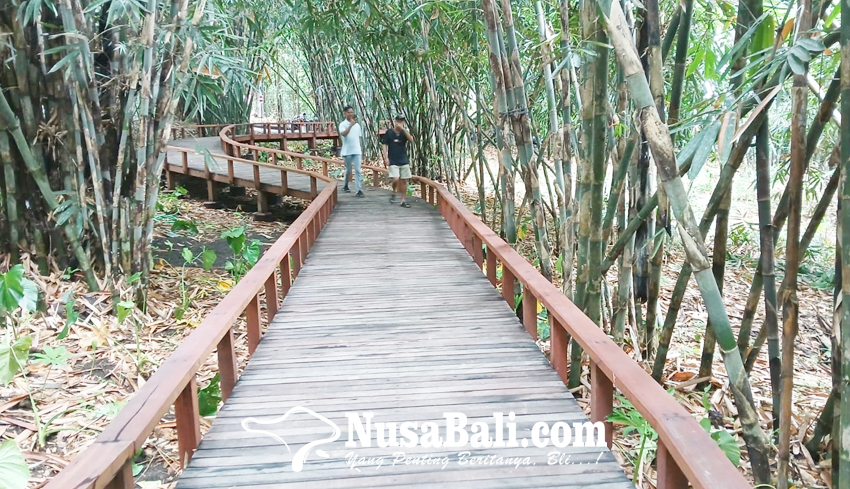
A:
[405,204]
[392,199]
[345,189]
[360,194]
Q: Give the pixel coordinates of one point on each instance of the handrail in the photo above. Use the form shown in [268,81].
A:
[686,453]
[108,461]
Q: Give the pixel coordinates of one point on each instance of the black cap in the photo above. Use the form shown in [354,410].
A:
[399,117]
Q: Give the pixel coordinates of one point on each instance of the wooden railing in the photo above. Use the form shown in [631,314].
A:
[107,463]
[686,453]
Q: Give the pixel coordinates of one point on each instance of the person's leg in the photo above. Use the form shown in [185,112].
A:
[356,164]
[404,175]
[393,174]
[348,162]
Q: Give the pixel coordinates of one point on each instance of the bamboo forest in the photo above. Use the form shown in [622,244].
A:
[677,170]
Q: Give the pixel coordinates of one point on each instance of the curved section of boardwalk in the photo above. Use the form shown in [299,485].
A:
[391,316]
[242,172]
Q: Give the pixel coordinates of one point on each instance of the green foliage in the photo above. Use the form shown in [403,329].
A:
[742,235]
[724,439]
[169,202]
[124,308]
[14,471]
[16,291]
[54,357]
[13,356]
[245,254]
[184,225]
[71,315]
[209,397]
[626,415]
[207,259]
[543,327]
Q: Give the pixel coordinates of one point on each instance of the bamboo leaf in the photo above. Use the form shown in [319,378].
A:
[709,136]
[739,48]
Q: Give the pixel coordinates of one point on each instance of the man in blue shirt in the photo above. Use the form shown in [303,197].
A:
[351,152]
[395,158]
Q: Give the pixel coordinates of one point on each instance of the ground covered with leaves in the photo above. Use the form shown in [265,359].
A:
[86,361]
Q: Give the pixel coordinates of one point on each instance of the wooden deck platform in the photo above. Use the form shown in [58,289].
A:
[298,185]
[391,316]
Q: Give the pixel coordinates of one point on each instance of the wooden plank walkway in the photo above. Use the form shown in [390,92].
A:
[391,316]
[298,184]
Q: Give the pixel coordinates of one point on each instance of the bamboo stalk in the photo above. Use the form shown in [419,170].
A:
[844,392]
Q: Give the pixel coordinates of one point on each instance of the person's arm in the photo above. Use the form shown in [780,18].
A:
[347,129]
[384,150]
[408,136]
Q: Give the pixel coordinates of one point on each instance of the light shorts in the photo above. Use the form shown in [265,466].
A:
[400,171]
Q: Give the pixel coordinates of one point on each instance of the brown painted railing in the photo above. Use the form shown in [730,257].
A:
[107,463]
[686,453]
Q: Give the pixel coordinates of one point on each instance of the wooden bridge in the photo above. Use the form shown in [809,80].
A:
[379,315]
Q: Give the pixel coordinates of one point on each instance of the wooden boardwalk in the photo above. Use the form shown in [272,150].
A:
[298,184]
[390,315]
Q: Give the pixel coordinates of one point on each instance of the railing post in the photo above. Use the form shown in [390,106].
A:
[491,267]
[272,302]
[324,168]
[431,195]
[601,400]
[284,184]
[169,177]
[529,312]
[305,246]
[231,152]
[508,286]
[423,191]
[296,257]
[185,163]
[252,316]
[183,133]
[299,164]
[285,277]
[558,348]
[211,193]
[124,478]
[274,158]
[187,417]
[375,181]
[313,187]
[227,369]
[477,251]
[670,476]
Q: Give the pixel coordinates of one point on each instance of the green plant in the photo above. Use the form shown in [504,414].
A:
[207,258]
[741,234]
[52,357]
[543,329]
[209,397]
[723,438]
[14,471]
[16,292]
[71,315]
[245,255]
[626,415]
[169,202]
